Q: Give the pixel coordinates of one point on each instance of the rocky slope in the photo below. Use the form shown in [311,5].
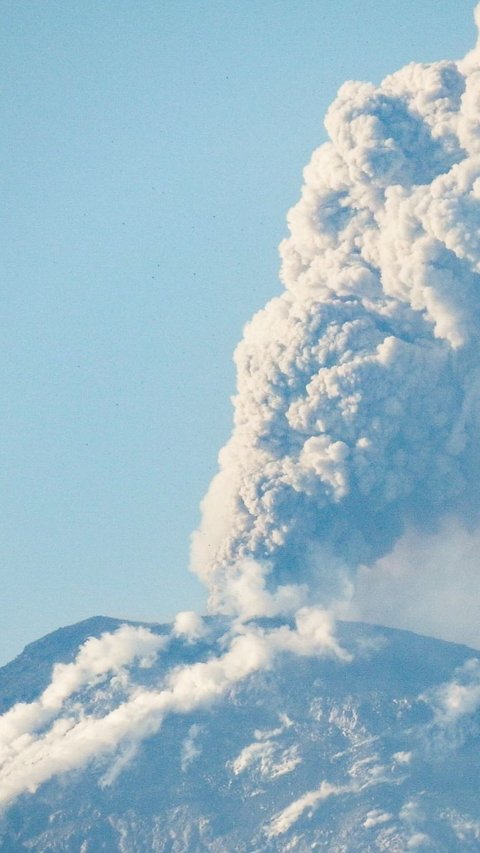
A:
[380,753]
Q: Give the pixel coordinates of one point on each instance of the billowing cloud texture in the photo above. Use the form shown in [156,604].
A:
[358,407]
[356,430]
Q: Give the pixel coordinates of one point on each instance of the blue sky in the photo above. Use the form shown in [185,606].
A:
[151,151]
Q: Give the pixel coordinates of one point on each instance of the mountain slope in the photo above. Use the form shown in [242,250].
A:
[377,754]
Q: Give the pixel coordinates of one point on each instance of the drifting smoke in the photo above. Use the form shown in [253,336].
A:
[358,408]
[356,424]
[429,584]
[129,712]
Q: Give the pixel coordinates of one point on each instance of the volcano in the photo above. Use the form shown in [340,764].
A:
[379,752]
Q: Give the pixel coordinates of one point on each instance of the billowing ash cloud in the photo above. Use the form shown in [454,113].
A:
[358,407]
[357,419]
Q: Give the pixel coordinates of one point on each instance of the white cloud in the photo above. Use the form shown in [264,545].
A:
[246,593]
[96,659]
[402,757]
[268,757]
[429,583]
[266,734]
[189,625]
[356,419]
[357,414]
[465,828]
[375,817]
[191,749]
[459,697]
[308,803]
[76,736]
[417,840]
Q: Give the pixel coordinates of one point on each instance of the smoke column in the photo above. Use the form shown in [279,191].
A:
[356,441]
[358,407]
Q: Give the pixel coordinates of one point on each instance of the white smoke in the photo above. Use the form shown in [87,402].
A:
[430,584]
[51,736]
[358,407]
[308,803]
[96,659]
[190,625]
[356,430]
[456,698]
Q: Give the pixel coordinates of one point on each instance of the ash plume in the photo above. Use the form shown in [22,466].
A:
[357,412]
[356,436]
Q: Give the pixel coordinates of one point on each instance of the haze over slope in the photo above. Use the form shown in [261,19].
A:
[379,754]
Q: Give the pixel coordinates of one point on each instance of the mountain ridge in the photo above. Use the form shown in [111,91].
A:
[313,753]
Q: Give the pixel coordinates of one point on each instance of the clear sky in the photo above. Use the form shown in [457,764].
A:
[150,152]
